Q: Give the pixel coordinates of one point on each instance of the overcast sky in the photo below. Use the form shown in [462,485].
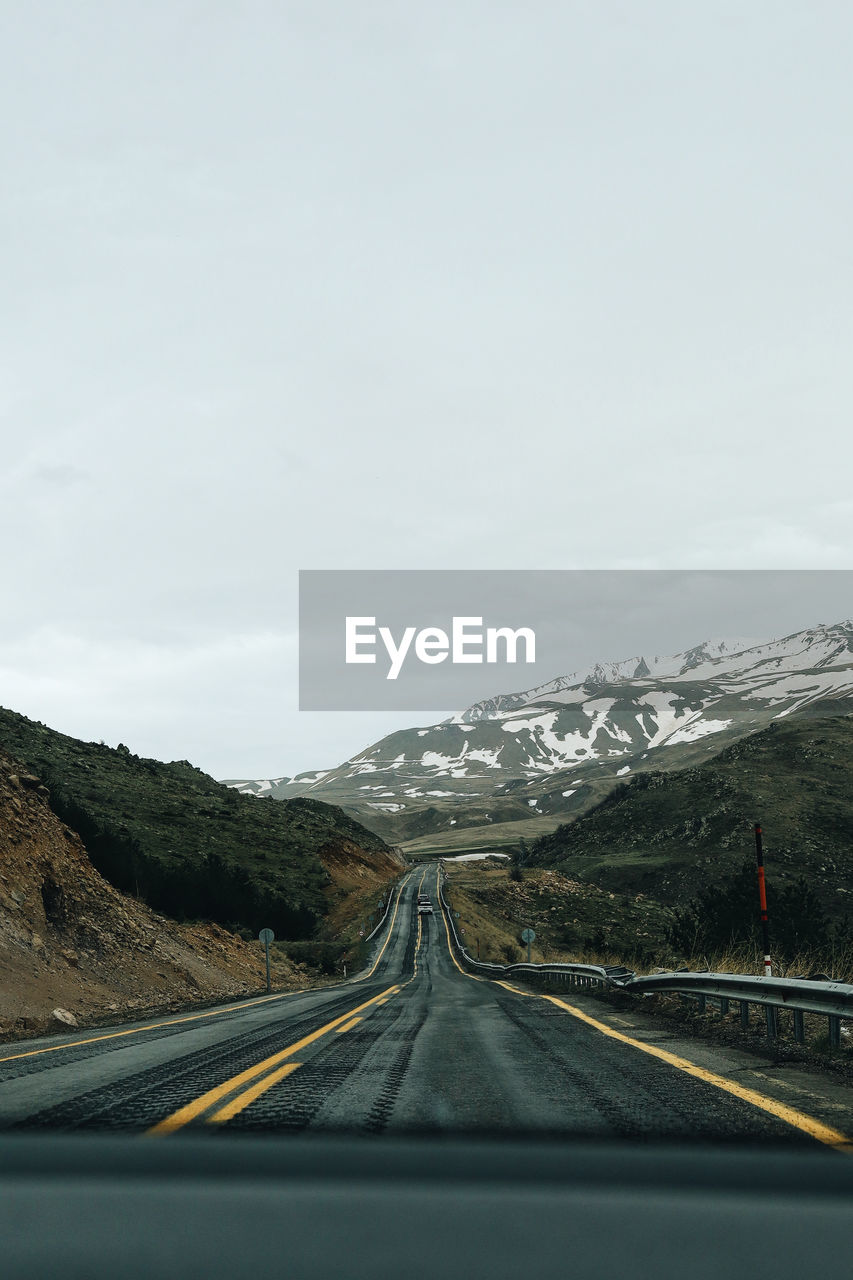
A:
[384,285]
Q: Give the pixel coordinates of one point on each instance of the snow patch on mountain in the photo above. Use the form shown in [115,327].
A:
[624,711]
[490,758]
[697,729]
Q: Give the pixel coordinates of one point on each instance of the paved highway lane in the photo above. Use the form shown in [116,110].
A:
[414,1044]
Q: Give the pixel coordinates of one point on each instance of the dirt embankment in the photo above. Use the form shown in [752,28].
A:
[71,942]
[359,879]
[351,867]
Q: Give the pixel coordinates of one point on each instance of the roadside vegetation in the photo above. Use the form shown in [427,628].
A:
[581,924]
[587,925]
[187,846]
[680,837]
[497,901]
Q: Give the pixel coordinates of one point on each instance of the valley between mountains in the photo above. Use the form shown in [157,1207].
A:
[518,765]
[621,794]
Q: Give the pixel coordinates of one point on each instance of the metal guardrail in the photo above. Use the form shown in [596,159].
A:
[586,974]
[374,932]
[809,996]
[833,1000]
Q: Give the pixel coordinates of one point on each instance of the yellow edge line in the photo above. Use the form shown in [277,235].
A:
[153,1026]
[238,1104]
[472,976]
[192,1017]
[372,969]
[798,1119]
[194,1109]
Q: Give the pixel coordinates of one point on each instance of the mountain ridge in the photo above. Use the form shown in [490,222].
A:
[545,751]
[670,834]
[189,846]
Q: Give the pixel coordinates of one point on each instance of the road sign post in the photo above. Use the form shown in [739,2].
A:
[528,936]
[266,936]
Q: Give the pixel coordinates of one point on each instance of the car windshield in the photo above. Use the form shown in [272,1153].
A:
[427,658]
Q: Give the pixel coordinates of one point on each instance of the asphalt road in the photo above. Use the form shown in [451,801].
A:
[416,1045]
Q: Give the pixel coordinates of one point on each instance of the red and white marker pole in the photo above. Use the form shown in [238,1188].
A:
[762,899]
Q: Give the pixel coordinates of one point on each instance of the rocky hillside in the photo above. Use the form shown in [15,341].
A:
[568,918]
[74,949]
[670,835]
[191,847]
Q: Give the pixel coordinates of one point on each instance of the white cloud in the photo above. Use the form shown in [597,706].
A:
[256,318]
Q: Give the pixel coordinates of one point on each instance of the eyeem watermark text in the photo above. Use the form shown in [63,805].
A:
[466,642]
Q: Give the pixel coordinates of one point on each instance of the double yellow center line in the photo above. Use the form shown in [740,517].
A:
[197,1017]
[261,1076]
[241,1090]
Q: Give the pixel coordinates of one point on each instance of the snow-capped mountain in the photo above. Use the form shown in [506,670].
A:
[549,749]
[605,673]
[258,786]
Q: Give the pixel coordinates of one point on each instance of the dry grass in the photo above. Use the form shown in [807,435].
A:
[835,962]
[565,914]
[499,939]
[495,837]
[484,936]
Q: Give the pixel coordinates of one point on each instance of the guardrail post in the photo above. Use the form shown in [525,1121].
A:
[829,999]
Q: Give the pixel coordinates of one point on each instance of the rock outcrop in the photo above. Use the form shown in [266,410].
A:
[74,950]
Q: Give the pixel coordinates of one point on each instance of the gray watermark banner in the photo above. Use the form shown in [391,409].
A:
[439,640]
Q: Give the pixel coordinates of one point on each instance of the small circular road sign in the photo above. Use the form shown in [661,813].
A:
[527,935]
[266,936]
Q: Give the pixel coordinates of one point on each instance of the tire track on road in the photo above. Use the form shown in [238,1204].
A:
[140,1099]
